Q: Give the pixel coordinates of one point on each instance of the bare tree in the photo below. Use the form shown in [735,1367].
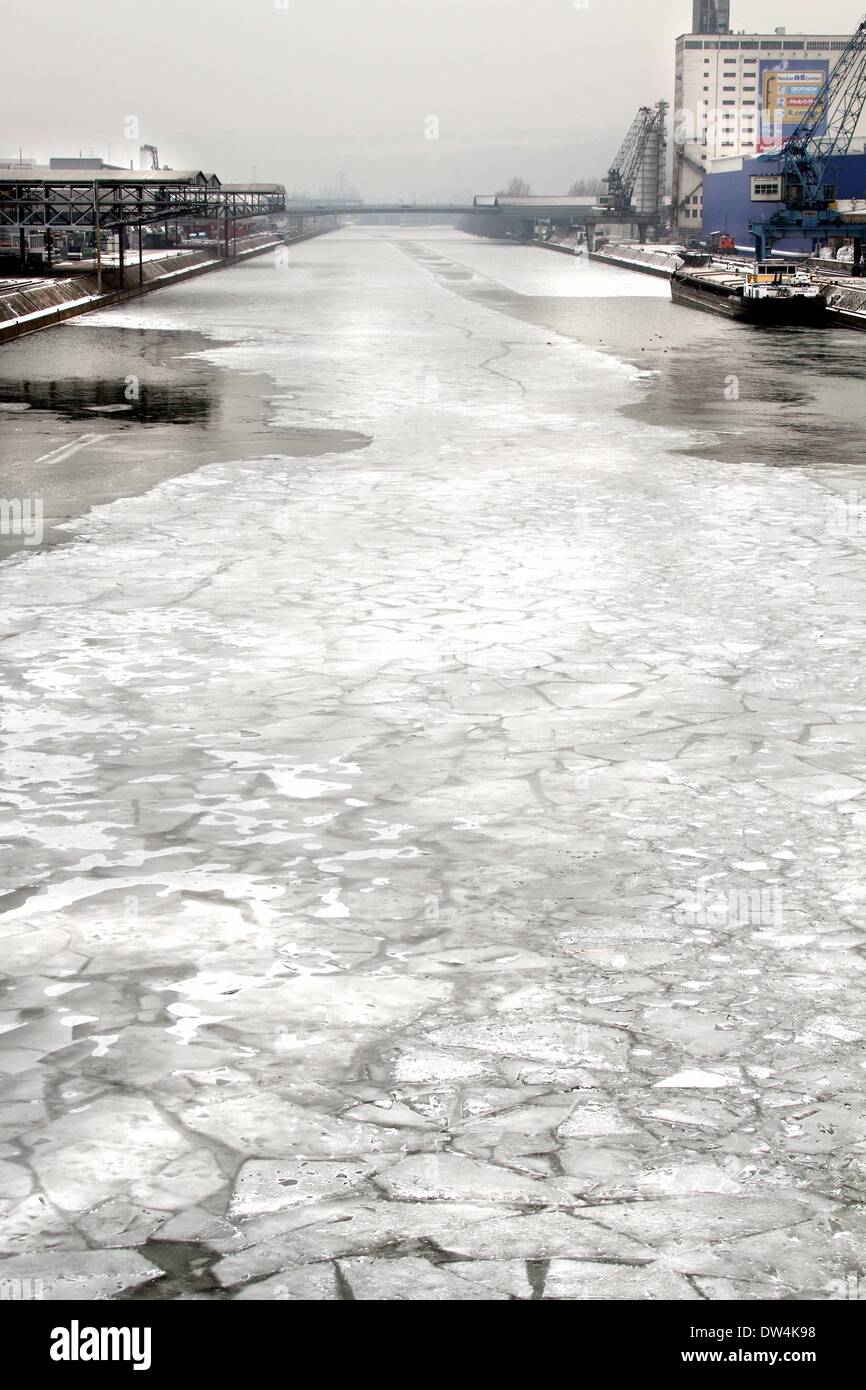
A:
[585,188]
[518,188]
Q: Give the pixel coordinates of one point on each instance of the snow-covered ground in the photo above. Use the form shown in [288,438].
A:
[448,851]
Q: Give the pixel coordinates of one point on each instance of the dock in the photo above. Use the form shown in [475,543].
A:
[846,297]
[29,304]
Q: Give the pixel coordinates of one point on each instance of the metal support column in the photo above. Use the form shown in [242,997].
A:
[47,216]
[98,239]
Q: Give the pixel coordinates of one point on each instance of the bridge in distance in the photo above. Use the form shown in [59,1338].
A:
[486,206]
[361,210]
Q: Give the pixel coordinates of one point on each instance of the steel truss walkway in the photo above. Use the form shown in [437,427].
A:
[106,199]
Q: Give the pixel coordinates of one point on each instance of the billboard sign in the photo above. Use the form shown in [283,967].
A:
[787,91]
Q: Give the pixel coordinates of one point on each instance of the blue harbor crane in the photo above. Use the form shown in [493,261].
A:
[805,182]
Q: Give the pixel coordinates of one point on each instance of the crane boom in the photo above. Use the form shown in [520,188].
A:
[806,173]
[622,175]
[807,154]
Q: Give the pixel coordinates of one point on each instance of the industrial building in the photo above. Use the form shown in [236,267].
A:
[711,16]
[729,205]
[737,95]
[75,208]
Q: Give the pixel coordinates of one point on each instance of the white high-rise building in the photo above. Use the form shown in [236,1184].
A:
[739,94]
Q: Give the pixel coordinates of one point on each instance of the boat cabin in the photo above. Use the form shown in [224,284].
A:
[771,273]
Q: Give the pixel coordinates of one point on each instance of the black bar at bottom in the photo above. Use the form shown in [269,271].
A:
[170,1338]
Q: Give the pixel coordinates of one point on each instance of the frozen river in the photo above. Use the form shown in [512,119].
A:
[433,800]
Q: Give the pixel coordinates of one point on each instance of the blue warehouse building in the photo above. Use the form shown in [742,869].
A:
[728,205]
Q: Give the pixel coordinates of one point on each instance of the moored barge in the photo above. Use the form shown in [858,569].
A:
[767,292]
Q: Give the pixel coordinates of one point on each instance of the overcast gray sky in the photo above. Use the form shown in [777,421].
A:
[540,88]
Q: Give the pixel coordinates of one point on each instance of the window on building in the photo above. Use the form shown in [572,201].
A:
[729,89]
[793,46]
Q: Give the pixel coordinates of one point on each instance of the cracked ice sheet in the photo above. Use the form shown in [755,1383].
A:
[437,849]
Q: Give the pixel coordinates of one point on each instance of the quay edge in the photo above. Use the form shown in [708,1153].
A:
[846,303]
[47,302]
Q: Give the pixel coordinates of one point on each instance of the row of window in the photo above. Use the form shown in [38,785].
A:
[788,46]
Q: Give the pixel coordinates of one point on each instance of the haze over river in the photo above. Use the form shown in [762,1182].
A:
[434,758]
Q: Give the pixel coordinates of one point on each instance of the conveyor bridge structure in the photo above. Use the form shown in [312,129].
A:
[52,201]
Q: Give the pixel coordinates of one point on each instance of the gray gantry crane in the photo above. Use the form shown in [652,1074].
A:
[647,130]
[806,176]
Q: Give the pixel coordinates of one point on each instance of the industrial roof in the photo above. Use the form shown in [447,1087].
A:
[43,174]
[560,201]
[553,199]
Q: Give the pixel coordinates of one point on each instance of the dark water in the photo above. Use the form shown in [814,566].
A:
[90,414]
[782,397]
[145,404]
[787,397]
